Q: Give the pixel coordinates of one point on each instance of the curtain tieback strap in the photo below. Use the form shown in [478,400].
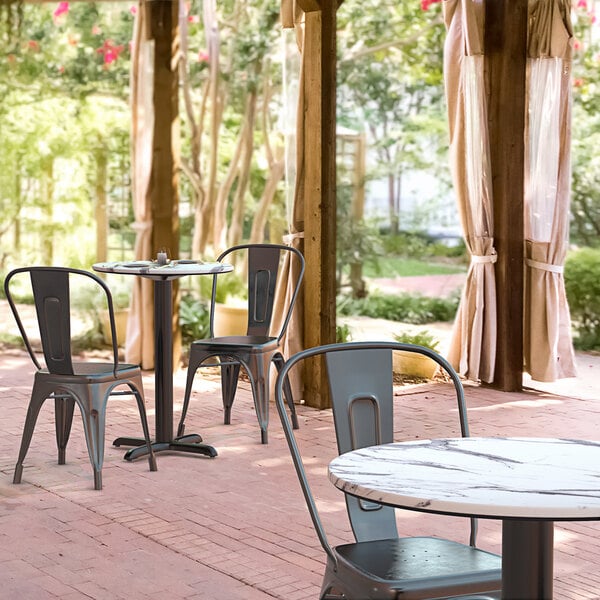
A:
[544,266]
[486,258]
[290,237]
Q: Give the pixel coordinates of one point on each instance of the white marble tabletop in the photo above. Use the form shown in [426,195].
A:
[171,270]
[530,478]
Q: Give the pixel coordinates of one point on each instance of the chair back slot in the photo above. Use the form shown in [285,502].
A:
[361,386]
[53,309]
[263,266]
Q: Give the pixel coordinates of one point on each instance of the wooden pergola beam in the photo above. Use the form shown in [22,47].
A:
[315,5]
[320,192]
[505,50]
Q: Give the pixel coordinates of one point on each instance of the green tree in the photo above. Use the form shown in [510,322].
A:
[390,82]
[233,158]
[63,117]
[585,197]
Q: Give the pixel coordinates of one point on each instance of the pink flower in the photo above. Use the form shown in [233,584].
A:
[96,30]
[203,56]
[33,46]
[60,10]
[577,45]
[110,52]
[578,82]
[194,19]
[582,4]
[426,4]
[133,10]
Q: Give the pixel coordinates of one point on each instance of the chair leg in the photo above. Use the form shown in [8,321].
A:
[93,412]
[191,372]
[63,410]
[229,380]
[287,390]
[258,372]
[328,585]
[37,399]
[142,409]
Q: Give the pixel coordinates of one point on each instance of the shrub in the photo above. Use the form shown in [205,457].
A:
[407,308]
[194,319]
[421,338]
[582,284]
[343,333]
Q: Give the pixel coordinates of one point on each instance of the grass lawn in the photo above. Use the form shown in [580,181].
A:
[408,267]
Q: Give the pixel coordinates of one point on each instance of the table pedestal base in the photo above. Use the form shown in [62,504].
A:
[527,559]
[186,443]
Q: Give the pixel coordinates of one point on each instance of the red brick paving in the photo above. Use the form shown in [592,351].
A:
[234,527]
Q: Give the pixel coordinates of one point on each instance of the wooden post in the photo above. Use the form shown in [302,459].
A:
[164,192]
[505,50]
[320,191]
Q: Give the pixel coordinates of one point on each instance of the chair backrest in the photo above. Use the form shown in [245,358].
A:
[51,287]
[265,265]
[360,378]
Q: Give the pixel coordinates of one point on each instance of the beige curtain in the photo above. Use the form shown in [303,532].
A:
[139,347]
[293,16]
[548,351]
[473,343]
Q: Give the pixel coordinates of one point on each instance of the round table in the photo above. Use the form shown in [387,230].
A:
[527,482]
[163,276]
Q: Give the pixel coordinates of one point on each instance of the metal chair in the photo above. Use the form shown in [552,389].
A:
[65,380]
[379,564]
[259,347]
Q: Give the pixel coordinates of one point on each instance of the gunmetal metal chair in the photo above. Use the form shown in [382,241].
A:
[380,565]
[259,347]
[68,381]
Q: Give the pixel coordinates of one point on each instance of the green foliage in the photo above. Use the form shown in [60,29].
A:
[230,286]
[343,333]
[406,308]
[194,319]
[421,338]
[390,84]
[393,266]
[415,245]
[585,198]
[64,110]
[582,284]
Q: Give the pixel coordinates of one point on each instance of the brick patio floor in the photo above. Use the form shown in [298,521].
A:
[234,527]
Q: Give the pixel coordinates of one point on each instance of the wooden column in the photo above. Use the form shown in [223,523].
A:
[320,189]
[505,49]
[164,179]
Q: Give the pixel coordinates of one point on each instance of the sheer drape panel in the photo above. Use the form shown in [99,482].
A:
[472,349]
[548,347]
[140,341]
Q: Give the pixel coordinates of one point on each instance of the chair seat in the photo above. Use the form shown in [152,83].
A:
[254,342]
[91,373]
[416,562]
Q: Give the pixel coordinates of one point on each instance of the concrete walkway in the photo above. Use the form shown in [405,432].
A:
[234,527]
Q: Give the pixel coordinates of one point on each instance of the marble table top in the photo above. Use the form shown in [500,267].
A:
[171,270]
[530,478]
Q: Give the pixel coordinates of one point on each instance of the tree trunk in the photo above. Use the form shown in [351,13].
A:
[101,213]
[237,219]
[47,245]
[262,210]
